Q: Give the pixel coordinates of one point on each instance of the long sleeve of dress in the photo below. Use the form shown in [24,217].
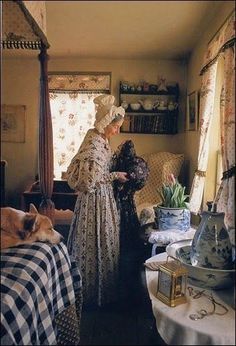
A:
[92,175]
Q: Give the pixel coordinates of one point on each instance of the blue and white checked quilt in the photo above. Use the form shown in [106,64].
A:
[38,282]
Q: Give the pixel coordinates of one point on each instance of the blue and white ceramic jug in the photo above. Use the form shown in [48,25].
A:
[211,246]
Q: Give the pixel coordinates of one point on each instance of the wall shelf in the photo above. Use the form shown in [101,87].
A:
[155,121]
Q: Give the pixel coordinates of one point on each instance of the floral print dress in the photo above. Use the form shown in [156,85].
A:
[94,232]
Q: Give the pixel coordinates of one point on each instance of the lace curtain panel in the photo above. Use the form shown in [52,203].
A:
[207,99]
[72,115]
[223,46]
[225,198]
[73,111]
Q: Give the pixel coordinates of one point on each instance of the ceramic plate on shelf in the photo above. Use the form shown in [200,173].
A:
[199,276]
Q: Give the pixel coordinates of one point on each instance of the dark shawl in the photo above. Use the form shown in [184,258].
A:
[126,160]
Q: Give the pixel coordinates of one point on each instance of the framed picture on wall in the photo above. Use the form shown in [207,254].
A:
[13,123]
[192,111]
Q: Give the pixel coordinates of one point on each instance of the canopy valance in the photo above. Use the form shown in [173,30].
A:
[223,39]
[23,25]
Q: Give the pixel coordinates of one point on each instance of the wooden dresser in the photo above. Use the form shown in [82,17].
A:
[63,196]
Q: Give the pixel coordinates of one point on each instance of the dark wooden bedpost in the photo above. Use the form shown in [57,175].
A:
[45,162]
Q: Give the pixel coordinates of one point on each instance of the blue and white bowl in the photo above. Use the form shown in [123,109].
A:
[207,278]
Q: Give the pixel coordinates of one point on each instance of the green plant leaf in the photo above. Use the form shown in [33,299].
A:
[173,196]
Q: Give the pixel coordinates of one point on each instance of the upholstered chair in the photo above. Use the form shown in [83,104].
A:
[160,164]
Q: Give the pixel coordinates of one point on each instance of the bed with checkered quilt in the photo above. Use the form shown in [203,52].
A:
[39,284]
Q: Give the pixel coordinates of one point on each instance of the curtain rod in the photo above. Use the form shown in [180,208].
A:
[222,25]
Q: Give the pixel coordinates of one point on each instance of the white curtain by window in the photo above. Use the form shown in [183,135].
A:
[207,100]
[225,198]
[223,47]
[72,115]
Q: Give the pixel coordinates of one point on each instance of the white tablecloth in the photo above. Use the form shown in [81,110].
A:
[174,324]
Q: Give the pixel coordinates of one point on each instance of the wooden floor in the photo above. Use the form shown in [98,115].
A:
[130,323]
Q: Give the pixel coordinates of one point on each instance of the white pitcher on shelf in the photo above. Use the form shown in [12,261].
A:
[162,105]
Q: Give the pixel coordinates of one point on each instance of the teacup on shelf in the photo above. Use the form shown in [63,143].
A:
[135,106]
[162,106]
[172,106]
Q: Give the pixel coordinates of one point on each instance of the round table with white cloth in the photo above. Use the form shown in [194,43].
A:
[174,324]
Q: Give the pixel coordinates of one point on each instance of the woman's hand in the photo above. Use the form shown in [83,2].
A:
[122,177]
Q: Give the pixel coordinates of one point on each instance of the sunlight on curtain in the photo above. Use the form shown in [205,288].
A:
[225,198]
[207,101]
[210,187]
[223,46]
[72,115]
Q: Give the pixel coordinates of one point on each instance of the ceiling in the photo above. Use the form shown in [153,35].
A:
[126,29]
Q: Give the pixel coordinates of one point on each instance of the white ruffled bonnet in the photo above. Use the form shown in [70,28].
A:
[106,111]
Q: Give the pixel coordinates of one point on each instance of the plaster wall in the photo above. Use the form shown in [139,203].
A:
[134,71]
[20,86]
[20,80]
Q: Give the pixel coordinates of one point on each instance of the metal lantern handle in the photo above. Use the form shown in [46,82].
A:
[174,258]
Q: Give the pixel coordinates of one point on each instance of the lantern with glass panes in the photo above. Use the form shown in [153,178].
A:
[172,281]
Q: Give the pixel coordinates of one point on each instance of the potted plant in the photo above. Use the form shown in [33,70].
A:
[173,212]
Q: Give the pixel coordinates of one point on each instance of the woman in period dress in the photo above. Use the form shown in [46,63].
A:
[94,232]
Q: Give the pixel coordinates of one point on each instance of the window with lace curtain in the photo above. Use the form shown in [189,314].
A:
[217,98]
[73,112]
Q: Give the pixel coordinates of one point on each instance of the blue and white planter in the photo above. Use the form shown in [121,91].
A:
[172,218]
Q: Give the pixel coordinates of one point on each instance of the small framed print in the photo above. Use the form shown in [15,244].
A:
[192,111]
[13,123]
